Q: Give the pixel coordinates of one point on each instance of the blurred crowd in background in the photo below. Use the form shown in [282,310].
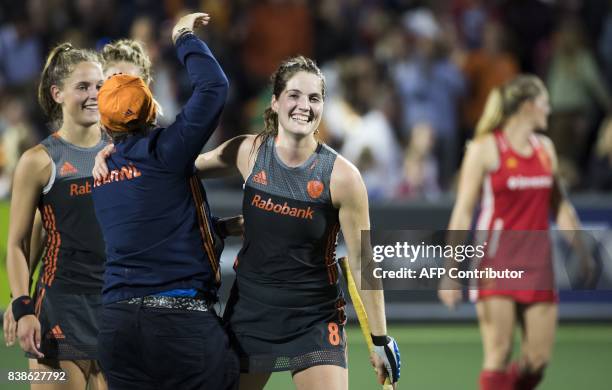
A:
[406,79]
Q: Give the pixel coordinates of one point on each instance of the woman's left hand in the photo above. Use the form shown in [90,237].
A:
[100,169]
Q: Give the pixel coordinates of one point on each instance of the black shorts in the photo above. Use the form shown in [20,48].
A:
[272,338]
[69,324]
[158,348]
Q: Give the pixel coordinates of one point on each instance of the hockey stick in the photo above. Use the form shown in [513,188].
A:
[360,310]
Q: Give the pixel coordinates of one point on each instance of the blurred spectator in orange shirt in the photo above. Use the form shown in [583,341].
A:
[486,68]
[275,30]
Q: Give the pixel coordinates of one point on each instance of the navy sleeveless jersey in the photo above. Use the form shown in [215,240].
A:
[74,250]
[291,227]
[286,309]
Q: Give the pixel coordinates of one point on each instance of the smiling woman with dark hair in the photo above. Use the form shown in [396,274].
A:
[286,309]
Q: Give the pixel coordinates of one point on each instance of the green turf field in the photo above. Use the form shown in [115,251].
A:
[441,357]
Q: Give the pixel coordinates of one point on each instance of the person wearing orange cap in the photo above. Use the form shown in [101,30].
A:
[162,268]
[57,327]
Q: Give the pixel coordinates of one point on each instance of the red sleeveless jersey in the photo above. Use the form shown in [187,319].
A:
[516,196]
[515,210]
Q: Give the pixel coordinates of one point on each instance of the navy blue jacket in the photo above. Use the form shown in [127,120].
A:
[152,208]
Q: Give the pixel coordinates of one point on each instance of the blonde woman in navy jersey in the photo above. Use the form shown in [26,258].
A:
[515,170]
[125,56]
[286,309]
[57,327]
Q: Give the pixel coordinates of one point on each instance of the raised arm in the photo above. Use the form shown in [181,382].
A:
[236,155]
[179,144]
[227,159]
[31,174]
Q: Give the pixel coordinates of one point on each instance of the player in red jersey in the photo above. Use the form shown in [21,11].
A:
[513,170]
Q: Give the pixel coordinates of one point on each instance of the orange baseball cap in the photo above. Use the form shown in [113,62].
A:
[123,100]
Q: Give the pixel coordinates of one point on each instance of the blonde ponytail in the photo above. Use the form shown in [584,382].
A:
[505,101]
[493,113]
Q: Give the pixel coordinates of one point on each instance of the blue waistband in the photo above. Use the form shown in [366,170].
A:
[178,292]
